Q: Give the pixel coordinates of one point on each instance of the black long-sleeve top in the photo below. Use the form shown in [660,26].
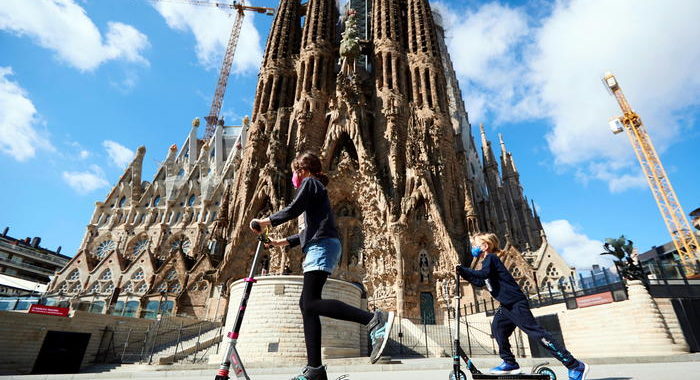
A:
[496,277]
[313,208]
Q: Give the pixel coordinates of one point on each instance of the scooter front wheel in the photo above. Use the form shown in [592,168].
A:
[546,371]
[462,376]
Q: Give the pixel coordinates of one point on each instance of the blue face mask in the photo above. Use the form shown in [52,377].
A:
[476,251]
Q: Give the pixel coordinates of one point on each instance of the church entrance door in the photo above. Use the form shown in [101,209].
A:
[427,308]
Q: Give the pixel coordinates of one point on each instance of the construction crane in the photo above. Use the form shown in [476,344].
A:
[684,240]
[213,117]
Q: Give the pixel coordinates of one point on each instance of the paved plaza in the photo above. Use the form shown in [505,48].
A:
[413,369]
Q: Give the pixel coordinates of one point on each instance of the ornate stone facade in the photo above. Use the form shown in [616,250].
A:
[407,183]
[145,248]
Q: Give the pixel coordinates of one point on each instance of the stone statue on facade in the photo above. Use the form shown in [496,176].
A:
[424,267]
[349,44]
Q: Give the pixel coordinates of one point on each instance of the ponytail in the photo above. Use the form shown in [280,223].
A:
[322,177]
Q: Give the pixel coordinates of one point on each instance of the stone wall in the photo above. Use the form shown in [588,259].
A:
[635,327]
[22,335]
[272,329]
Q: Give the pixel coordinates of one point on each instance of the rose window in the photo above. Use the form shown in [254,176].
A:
[140,247]
[105,248]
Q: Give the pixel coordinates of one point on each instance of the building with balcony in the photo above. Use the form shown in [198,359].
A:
[27,260]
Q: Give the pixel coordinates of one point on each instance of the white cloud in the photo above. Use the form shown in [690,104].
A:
[86,181]
[550,68]
[650,46]
[576,248]
[482,43]
[84,154]
[18,118]
[120,155]
[614,174]
[127,83]
[64,27]
[211,28]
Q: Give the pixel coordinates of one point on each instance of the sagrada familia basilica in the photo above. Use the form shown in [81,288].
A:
[372,92]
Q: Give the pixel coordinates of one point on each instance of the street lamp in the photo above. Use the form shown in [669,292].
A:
[60,298]
[446,298]
[163,294]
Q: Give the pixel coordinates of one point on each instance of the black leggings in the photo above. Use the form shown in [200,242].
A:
[312,307]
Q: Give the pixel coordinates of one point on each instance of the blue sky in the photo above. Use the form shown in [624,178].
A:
[84,83]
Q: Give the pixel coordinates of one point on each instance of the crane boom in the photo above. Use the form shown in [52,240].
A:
[213,117]
[684,240]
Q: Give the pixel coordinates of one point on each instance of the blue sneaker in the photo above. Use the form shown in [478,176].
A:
[506,369]
[580,372]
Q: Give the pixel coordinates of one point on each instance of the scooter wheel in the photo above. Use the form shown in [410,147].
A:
[546,371]
[462,376]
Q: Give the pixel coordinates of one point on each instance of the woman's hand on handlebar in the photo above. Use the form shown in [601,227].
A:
[277,243]
[261,223]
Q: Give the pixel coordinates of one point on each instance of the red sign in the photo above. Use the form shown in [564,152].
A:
[594,299]
[49,310]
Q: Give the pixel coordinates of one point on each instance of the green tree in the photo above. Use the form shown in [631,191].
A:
[627,262]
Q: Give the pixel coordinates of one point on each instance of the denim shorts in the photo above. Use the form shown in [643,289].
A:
[322,254]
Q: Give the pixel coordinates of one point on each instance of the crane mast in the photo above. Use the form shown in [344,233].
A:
[684,240]
[216,103]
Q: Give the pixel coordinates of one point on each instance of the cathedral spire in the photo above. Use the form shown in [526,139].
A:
[315,74]
[425,59]
[136,166]
[488,157]
[276,81]
[506,161]
[285,34]
[504,151]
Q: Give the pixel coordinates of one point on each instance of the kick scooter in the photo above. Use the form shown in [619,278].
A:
[539,372]
[232,357]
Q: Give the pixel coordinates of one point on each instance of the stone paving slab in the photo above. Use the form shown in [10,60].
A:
[681,367]
[643,371]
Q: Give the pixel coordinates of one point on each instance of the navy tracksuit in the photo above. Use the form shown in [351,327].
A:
[514,310]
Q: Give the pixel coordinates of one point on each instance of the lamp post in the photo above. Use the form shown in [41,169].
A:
[160,305]
[448,305]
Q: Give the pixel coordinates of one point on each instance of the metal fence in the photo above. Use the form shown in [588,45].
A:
[165,341]
[550,296]
[670,280]
[411,338]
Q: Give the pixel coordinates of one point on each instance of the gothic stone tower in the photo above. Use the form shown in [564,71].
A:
[398,180]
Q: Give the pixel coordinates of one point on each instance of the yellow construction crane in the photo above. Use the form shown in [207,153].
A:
[240,8]
[684,239]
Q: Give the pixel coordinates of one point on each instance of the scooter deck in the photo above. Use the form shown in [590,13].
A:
[523,376]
